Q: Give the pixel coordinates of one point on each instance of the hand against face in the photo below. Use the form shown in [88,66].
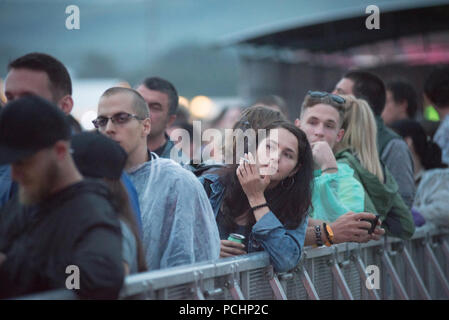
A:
[253,184]
[323,156]
[350,228]
[231,248]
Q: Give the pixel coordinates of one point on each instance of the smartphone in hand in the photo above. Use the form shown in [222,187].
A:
[373,223]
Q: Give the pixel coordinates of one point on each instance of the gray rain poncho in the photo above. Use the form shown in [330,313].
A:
[177,219]
[432,197]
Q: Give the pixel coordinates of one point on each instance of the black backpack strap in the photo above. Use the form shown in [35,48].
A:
[207,187]
[199,168]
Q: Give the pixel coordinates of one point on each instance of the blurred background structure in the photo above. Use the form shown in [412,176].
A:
[229,53]
[315,49]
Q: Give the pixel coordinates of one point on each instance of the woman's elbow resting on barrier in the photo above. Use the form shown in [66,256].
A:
[285,262]
[284,266]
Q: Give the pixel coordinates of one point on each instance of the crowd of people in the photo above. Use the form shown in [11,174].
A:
[126,197]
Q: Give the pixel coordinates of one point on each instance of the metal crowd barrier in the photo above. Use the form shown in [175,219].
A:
[412,269]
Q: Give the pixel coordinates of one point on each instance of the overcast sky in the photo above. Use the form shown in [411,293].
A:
[131,38]
[134,31]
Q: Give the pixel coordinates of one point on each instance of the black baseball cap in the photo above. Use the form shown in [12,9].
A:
[30,124]
[98,156]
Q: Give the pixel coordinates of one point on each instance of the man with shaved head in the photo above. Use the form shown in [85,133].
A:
[177,219]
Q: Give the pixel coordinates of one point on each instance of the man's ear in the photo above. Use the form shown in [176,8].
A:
[66,104]
[403,106]
[171,120]
[340,135]
[61,149]
[298,123]
[146,127]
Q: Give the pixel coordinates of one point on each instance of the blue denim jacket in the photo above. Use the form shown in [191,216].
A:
[283,245]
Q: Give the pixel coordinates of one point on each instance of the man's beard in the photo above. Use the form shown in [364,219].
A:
[43,188]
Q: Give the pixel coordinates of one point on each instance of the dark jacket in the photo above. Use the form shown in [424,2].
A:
[76,226]
[165,151]
[384,135]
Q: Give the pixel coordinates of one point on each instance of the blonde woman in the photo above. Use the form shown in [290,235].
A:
[358,149]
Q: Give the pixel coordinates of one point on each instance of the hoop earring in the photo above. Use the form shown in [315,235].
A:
[291,183]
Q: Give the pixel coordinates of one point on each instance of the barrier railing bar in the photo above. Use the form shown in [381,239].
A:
[336,271]
[184,274]
[393,274]
[233,284]
[414,271]
[363,276]
[58,294]
[275,284]
[198,286]
[277,288]
[198,295]
[445,247]
[148,292]
[235,291]
[308,285]
[213,293]
[151,284]
[429,253]
[245,284]
[338,275]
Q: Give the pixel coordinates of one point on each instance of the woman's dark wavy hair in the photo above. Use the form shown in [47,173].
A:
[290,205]
[428,151]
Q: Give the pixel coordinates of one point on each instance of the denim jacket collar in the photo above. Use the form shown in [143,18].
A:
[217,191]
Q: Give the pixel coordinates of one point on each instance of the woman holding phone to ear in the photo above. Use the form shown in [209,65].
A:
[265,197]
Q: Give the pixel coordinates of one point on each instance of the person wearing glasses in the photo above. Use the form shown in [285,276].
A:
[177,219]
[339,199]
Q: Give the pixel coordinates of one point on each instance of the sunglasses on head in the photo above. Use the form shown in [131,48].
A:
[322,94]
[118,118]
